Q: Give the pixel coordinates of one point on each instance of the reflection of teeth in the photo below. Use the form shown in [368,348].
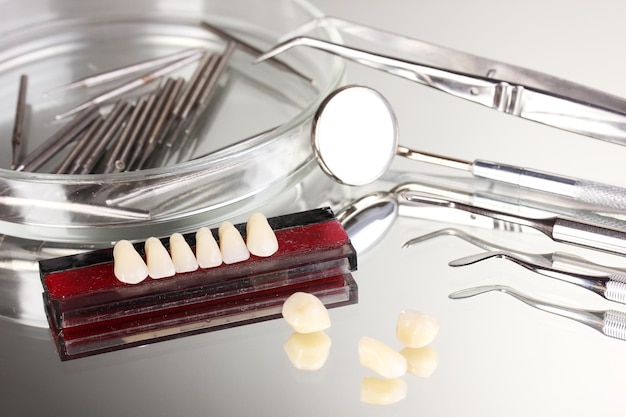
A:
[260,238]
[380,358]
[308,351]
[207,251]
[182,256]
[129,266]
[415,329]
[305,313]
[160,264]
[382,391]
[232,246]
[422,361]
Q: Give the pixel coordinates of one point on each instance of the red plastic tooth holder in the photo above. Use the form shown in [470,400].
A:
[90,312]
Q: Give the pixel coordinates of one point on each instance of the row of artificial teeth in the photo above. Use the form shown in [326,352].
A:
[129,266]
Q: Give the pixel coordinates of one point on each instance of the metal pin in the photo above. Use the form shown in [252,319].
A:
[143,80]
[18,127]
[114,74]
[121,163]
[88,158]
[57,141]
[148,140]
[66,166]
[122,140]
[254,51]
[192,84]
[142,126]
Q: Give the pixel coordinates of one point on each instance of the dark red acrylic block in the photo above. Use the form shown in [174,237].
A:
[90,311]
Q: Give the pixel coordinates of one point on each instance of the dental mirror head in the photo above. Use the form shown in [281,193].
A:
[368,219]
[354,135]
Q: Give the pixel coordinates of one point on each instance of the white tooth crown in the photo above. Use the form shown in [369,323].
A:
[415,329]
[129,267]
[308,351]
[381,391]
[305,313]
[208,252]
[260,238]
[160,264]
[232,245]
[381,358]
[422,361]
[182,256]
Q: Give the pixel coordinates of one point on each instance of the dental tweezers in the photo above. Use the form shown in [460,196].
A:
[504,87]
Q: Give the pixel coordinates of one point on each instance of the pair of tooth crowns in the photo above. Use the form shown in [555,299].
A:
[130,267]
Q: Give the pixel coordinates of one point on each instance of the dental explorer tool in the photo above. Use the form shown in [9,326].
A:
[559,229]
[355,134]
[18,126]
[612,286]
[611,323]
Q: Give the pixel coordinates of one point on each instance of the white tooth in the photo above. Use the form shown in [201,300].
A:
[232,246]
[260,238]
[415,329]
[160,264]
[305,313]
[309,351]
[381,391]
[128,265]
[182,256]
[422,361]
[207,251]
[379,357]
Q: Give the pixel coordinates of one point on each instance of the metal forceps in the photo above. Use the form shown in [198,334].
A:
[504,87]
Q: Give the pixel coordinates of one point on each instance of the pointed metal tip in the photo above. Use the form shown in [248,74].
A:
[471,292]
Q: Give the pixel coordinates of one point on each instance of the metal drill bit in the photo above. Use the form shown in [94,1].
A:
[143,80]
[122,140]
[141,129]
[134,127]
[117,73]
[66,166]
[18,127]
[252,50]
[44,152]
[196,79]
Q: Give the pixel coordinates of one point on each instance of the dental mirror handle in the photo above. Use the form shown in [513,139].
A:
[578,189]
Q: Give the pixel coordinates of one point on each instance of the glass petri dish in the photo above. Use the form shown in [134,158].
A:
[254,145]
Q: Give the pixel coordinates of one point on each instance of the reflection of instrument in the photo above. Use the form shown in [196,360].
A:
[609,322]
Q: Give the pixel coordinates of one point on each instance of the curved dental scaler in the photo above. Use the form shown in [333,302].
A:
[611,323]
[510,89]
[610,286]
[559,229]
[557,260]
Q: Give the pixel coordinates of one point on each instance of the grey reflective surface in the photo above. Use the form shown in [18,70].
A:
[497,356]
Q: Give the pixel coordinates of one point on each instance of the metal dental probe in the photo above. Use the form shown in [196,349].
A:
[610,286]
[611,323]
[559,229]
[18,127]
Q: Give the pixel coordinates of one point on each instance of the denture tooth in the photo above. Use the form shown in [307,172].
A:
[415,329]
[309,351]
[129,267]
[208,252]
[305,313]
[381,358]
[160,264]
[232,246]
[182,256]
[260,238]
[422,361]
[382,391]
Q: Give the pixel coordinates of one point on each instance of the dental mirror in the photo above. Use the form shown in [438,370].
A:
[354,135]
[368,219]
